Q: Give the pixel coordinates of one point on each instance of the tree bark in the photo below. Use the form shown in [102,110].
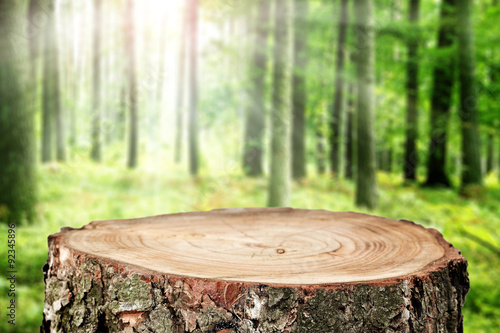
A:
[443,82]
[366,183]
[133,145]
[471,144]
[255,112]
[17,146]
[95,139]
[216,272]
[411,154]
[336,120]
[193,87]
[299,96]
[279,179]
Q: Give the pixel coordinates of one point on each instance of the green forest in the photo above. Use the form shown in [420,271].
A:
[116,109]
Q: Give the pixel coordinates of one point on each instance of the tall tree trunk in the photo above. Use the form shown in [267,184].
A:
[299,90]
[132,86]
[95,140]
[443,83]
[255,113]
[193,87]
[336,121]
[17,146]
[47,99]
[490,159]
[471,143]
[321,140]
[180,97]
[411,154]
[366,183]
[161,78]
[349,151]
[279,182]
[55,86]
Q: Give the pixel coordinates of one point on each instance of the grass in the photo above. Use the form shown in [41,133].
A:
[76,193]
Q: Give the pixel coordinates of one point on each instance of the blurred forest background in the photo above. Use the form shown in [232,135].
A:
[125,108]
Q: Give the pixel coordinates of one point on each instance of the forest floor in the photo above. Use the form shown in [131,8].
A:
[78,192]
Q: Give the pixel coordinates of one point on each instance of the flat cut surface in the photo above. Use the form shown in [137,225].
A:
[264,245]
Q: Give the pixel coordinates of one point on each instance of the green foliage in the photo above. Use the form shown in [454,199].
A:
[78,192]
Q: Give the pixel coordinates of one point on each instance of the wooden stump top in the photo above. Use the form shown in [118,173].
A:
[280,246]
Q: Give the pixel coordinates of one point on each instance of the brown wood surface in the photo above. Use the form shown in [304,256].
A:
[254,270]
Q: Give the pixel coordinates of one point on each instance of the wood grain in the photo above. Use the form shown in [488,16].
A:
[274,246]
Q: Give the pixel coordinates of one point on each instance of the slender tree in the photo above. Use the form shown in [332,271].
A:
[490,151]
[320,134]
[471,144]
[349,143]
[255,111]
[132,86]
[441,96]
[34,35]
[279,182]
[51,104]
[338,100]
[193,87]
[299,99]
[410,153]
[52,63]
[180,94]
[17,146]
[95,139]
[366,183]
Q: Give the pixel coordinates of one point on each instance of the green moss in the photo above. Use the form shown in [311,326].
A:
[131,294]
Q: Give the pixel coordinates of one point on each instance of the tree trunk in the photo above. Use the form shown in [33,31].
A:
[349,142]
[55,86]
[180,97]
[132,86]
[279,180]
[444,69]
[321,140]
[17,146]
[471,144]
[490,159]
[299,96]
[255,111]
[193,87]
[411,154]
[95,140]
[336,122]
[366,183]
[254,270]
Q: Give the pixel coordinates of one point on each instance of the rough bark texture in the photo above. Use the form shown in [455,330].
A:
[85,293]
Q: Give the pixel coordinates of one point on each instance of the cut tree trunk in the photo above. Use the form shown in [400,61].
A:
[254,270]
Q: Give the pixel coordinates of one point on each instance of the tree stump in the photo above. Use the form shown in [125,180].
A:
[254,270]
